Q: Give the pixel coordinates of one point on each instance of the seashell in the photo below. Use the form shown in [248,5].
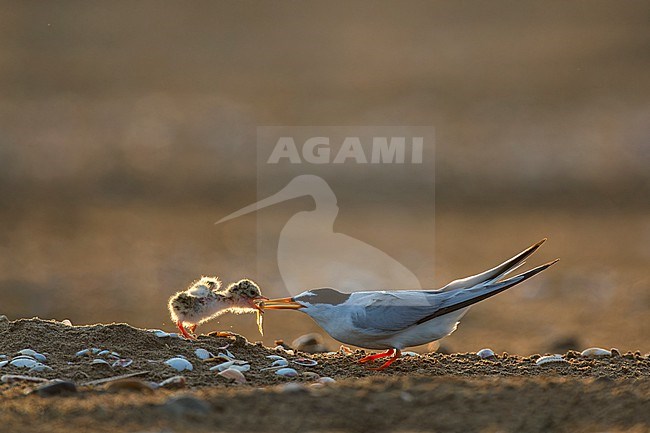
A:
[242,368]
[280,363]
[114,355]
[24,362]
[224,356]
[486,353]
[179,364]
[40,367]
[3,363]
[229,354]
[3,356]
[234,375]
[287,372]
[23,357]
[275,357]
[305,362]
[409,353]
[203,354]
[122,363]
[160,333]
[103,352]
[83,352]
[99,361]
[326,380]
[95,350]
[66,322]
[29,352]
[173,335]
[550,359]
[223,366]
[595,352]
[173,382]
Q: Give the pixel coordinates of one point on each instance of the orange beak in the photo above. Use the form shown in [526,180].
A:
[281,304]
[258,302]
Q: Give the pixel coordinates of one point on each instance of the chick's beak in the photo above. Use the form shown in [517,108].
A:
[281,304]
[257,303]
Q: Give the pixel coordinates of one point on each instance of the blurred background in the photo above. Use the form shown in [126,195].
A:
[127,129]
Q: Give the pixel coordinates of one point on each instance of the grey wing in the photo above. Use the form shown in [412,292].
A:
[396,310]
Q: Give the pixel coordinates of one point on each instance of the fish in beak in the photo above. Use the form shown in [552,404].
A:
[281,304]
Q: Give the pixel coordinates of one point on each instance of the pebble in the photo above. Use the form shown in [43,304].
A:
[130,384]
[550,359]
[310,343]
[56,387]
[486,353]
[595,352]
[186,405]
[293,388]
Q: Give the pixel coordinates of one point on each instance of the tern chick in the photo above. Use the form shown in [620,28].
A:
[204,300]
[394,320]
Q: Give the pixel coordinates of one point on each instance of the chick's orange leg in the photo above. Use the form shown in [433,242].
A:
[389,352]
[184,331]
[398,353]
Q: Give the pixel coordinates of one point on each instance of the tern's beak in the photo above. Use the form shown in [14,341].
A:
[281,304]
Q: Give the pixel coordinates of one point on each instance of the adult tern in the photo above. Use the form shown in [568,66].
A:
[396,319]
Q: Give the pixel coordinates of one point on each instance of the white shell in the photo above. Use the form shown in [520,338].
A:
[3,356]
[485,353]
[287,372]
[223,366]
[233,374]
[325,380]
[241,368]
[104,352]
[122,363]
[99,361]
[595,352]
[95,350]
[305,362]
[202,354]
[280,363]
[160,333]
[409,353]
[66,322]
[23,357]
[549,359]
[40,367]
[23,362]
[3,363]
[275,357]
[179,364]
[33,354]
[82,352]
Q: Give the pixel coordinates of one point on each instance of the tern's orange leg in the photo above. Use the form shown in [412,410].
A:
[398,353]
[389,352]
[184,331]
[192,328]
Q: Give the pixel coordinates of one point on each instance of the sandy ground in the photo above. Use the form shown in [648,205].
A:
[432,391]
